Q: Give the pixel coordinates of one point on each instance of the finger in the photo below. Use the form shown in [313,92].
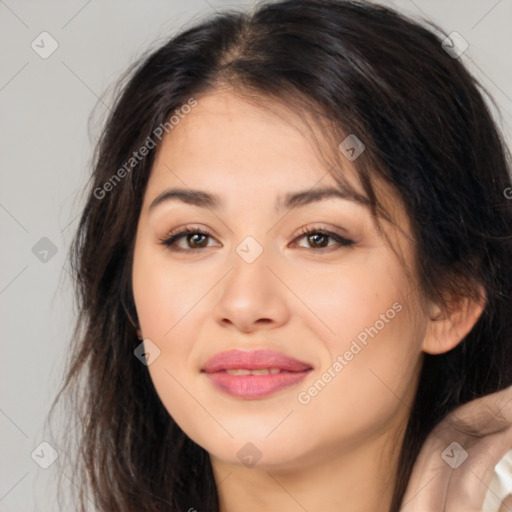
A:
[483,416]
[483,431]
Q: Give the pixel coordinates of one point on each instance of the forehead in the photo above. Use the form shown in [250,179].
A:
[228,140]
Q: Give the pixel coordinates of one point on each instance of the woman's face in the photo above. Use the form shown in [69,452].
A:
[347,310]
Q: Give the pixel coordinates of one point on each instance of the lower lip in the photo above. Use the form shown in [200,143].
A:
[255,386]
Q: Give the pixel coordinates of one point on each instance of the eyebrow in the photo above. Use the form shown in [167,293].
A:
[205,199]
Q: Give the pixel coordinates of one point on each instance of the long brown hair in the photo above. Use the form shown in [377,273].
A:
[428,133]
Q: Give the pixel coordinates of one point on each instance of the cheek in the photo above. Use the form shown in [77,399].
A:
[170,306]
[163,294]
[369,388]
[375,364]
[373,344]
[165,299]
[346,299]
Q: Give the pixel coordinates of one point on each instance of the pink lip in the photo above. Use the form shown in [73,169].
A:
[254,386]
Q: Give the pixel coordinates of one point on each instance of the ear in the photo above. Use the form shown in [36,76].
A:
[445,330]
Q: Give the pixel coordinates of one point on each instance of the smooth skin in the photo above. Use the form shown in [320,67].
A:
[307,296]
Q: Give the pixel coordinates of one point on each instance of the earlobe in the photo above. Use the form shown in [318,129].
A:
[446,330]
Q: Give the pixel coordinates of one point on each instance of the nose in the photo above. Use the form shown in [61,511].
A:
[251,296]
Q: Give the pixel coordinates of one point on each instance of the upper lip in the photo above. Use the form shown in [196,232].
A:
[254,360]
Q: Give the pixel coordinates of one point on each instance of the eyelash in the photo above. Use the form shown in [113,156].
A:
[169,239]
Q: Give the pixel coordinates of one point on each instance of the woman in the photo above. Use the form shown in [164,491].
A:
[293,273]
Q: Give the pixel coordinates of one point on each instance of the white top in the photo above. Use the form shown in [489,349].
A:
[500,487]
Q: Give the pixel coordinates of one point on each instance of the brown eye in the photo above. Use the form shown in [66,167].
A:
[195,238]
[319,238]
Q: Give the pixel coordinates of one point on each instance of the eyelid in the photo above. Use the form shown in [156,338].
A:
[314,228]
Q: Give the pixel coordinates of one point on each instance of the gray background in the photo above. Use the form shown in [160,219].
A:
[46,144]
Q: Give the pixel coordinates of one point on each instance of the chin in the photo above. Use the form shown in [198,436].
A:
[256,452]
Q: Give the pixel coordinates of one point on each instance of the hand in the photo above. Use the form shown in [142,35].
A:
[442,481]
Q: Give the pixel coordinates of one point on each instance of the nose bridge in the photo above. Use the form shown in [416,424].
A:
[251,293]
[249,274]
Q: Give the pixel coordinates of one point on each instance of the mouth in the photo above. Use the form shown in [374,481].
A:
[254,374]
